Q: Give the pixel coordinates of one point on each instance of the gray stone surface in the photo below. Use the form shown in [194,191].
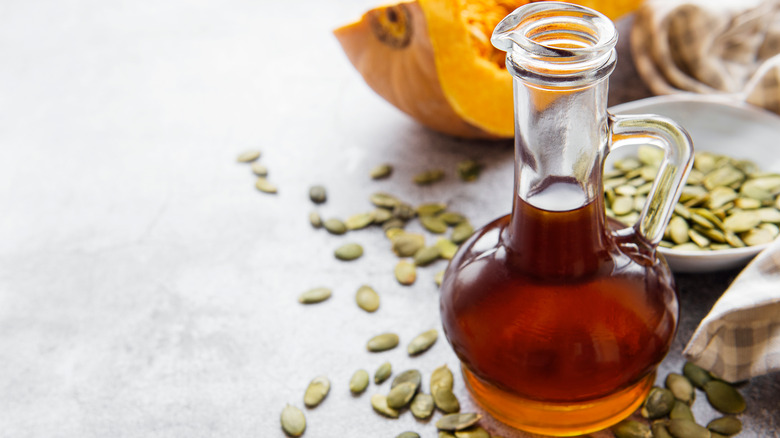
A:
[147,289]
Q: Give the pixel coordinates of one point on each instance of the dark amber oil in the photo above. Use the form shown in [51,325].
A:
[558,323]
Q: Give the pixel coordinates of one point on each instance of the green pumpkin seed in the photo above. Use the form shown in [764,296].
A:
[453,422]
[697,218]
[393,224]
[772,229]
[434,224]
[382,215]
[698,376]
[720,196]
[405,273]
[384,200]
[631,429]
[445,400]
[769,182]
[359,382]
[769,215]
[431,209]
[724,397]
[689,246]
[379,403]
[367,298]
[316,392]
[407,244]
[335,226]
[408,376]
[461,232]
[317,194]
[293,421]
[441,378]
[248,156]
[474,432]
[757,236]
[658,404]
[681,411]
[422,406]
[469,170]
[381,171]
[349,251]
[383,342]
[747,203]
[426,256]
[659,430]
[687,429]
[259,169]
[404,211]
[754,191]
[422,342]
[682,211]
[438,278]
[452,218]
[678,230]
[698,238]
[723,176]
[625,190]
[447,249]
[725,426]
[315,219]
[316,295]
[383,373]
[681,387]
[444,434]
[611,183]
[401,395]
[428,177]
[623,205]
[627,164]
[359,221]
[777,202]
[742,221]
[265,186]
[408,435]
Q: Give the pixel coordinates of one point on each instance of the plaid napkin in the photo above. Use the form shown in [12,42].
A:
[730,47]
[740,337]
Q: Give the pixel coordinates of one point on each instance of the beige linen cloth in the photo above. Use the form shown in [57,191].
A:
[732,48]
[729,47]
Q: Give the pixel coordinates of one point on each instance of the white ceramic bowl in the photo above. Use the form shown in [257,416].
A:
[720,126]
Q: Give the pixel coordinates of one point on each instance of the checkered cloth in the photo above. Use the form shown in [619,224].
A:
[731,47]
[740,337]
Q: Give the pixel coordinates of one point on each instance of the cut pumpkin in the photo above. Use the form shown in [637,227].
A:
[433,60]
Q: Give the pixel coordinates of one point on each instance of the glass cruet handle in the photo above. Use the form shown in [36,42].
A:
[633,130]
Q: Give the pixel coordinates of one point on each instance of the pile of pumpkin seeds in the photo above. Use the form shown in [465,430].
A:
[259,169]
[669,409]
[726,203]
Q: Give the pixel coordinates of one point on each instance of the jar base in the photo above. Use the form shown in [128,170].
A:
[557,419]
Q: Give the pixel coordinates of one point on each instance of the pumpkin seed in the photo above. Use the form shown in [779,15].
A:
[658,404]
[689,246]
[723,176]
[627,164]
[383,342]
[777,202]
[659,430]
[408,376]
[474,432]
[687,429]
[453,422]
[681,411]
[623,205]
[422,406]
[452,218]
[259,169]
[367,298]
[422,342]
[382,215]
[428,177]
[678,230]
[698,376]
[625,190]
[757,236]
[426,256]
[349,251]
[434,224]
[401,395]
[316,295]
[747,203]
[725,425]
[733,240]
[317,194]
[469,170]
[384,200]
[441,378]
[379,403]
[772,229]
[438,278]
[381,171]
[698,238]
[611,183]
[335,226]
[769,215]
[393,223]
[293,421]
[265,186]
[359,221]
[724,397]
[408,435]
[383,373]
[444,434]
[769,182]
[431,209]
[742,221]
[405,273]
[697,218]
[407,244]
[316,392]
[682,211]
[447,249]
[445,400]
[461,232]
[315,219]
[631,429]
[720,196]
[248,156]
[754,191]
[681,387]
[359,381]
[404,211]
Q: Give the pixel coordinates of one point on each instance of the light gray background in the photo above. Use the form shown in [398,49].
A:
[148,290]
